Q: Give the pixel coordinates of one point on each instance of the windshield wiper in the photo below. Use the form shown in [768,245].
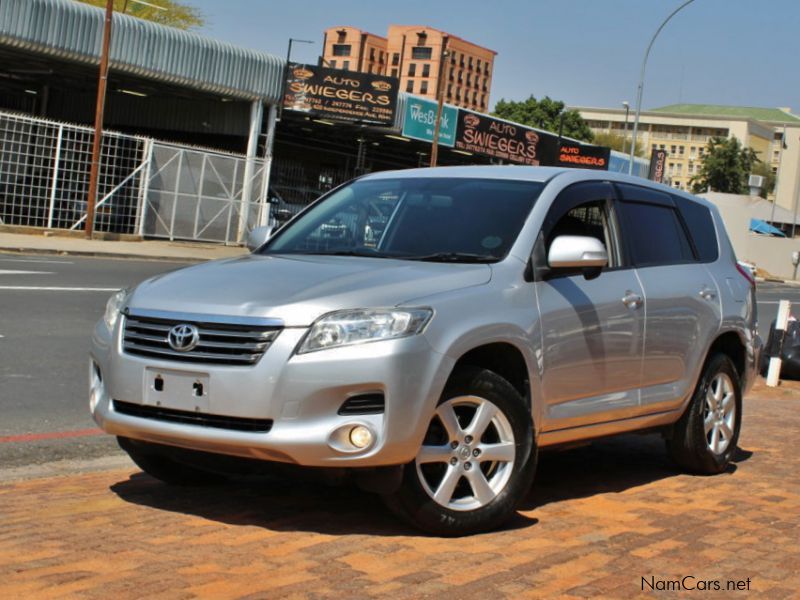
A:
[462,257]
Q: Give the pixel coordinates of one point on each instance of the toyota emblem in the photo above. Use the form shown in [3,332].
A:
[183,337]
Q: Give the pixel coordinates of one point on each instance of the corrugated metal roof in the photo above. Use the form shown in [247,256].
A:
[768,115]
[73,31]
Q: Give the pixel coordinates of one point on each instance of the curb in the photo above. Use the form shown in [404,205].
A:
[107,255]
[776,280]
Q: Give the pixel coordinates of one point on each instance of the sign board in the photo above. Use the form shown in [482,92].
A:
[419,121]
[339,94]
[658,160]
[511,142]
[571,154]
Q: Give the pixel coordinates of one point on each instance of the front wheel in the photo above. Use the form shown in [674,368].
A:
[476,462]
[704,439]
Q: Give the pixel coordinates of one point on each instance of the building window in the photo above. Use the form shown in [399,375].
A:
[478,64]
[681,149]
[470,62]
[423,88]
[394,72]
[380,56]
[692,151]
[410,86]
[412,69]
[421,52]
[346,65]
[449,90]
[341,49]
[426,70]
[372,54]
[673,150]
[395,59]
[332,63]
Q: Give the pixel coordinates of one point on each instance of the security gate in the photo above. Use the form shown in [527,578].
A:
[200,195]
[146,187]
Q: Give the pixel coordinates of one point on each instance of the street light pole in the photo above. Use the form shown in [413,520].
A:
[286,73]
[641,81]
[94,171]
[439,103]
[627,106]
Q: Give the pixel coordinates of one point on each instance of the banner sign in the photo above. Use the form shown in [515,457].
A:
[658,160]
[419,121]
[339,94]
[511,142]
[571,154]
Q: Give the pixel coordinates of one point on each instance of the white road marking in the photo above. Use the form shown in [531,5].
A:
[34,260]
[33,288]
[14,272]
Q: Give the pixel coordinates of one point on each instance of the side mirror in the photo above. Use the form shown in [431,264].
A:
[577,252]
[258,236]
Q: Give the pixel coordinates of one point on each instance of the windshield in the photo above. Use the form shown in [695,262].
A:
[435,219]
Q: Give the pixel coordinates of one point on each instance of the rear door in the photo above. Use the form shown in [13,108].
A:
[681,298]
[592,340]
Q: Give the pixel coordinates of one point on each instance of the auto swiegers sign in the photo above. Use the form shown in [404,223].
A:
[340,94]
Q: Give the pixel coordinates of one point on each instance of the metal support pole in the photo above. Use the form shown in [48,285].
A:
[94,172]
[640,89]
[54,179]
[256,117]
[145,184]
[627,106]
[777,176]
[439,103]
[796,200]
[176,195]
[267,173]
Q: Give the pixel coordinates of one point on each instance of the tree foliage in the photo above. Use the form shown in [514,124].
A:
[765,170]
[545,114]
[618,142]
[726,166]
[175,14]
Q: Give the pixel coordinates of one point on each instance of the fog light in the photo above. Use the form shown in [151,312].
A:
[360,436]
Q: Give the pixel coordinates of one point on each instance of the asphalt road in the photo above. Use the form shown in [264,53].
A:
[48,307]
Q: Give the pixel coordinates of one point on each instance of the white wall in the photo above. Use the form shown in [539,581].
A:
[772,254]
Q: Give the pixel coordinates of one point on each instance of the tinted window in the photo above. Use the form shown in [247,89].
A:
[654,235]
[413,218]
[701,227]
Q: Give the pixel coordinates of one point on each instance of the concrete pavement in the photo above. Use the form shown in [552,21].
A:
[37,243]
[612,520]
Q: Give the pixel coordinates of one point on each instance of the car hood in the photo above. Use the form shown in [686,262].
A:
[298,289]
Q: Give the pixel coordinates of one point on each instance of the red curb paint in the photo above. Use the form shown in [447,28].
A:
[50,435]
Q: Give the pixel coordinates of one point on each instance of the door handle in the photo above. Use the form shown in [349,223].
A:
[632,299]
[707,293]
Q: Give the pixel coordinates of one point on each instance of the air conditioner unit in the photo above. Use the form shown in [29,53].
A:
[755,183]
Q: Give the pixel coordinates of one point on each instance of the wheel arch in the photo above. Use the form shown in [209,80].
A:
[731,345]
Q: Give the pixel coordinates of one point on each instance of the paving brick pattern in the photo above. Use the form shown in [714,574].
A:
[598,520]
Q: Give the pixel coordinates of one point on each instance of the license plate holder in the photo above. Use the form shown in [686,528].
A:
[178,390]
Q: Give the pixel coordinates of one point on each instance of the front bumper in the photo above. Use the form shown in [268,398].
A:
[301,394]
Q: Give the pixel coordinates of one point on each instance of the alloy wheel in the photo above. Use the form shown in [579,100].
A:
[719,413]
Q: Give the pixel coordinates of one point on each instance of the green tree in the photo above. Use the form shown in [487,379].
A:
[619,143]
[164,12]
[545,114]
[765,170]
[726,166]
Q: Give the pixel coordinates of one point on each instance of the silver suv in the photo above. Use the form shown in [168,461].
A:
[428,331]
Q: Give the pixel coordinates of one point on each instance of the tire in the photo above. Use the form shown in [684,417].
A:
[704,439]
[438,491]
[156,462]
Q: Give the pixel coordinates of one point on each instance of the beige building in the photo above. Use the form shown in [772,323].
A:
[683,130]
[413,53]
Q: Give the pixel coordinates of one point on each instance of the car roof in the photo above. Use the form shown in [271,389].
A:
[540,174]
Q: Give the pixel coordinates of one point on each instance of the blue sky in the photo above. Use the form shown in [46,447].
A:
[585,52]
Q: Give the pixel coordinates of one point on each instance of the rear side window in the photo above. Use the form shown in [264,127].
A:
[654,235]
[701,227]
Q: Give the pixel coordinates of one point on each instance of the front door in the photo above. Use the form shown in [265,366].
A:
[592,328]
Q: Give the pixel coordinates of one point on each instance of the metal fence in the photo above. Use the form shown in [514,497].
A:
[146,187]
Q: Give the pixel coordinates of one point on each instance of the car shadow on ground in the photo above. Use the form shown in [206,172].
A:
[605,466]
[299,504]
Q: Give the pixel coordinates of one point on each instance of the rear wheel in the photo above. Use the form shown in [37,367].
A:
[153,460]
[476,462]
[705,437]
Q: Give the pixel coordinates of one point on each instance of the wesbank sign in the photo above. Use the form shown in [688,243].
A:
[420,119]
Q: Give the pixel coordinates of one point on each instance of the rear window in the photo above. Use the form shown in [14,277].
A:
[654,235]
[701,227]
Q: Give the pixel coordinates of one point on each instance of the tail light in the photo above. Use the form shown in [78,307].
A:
[746,274]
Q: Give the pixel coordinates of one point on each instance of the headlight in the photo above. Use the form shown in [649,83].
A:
[113,307]
[348,327]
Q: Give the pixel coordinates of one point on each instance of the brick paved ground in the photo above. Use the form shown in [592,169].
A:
[598,520]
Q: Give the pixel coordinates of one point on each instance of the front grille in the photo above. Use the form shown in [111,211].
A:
[219,343]
[192,418]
